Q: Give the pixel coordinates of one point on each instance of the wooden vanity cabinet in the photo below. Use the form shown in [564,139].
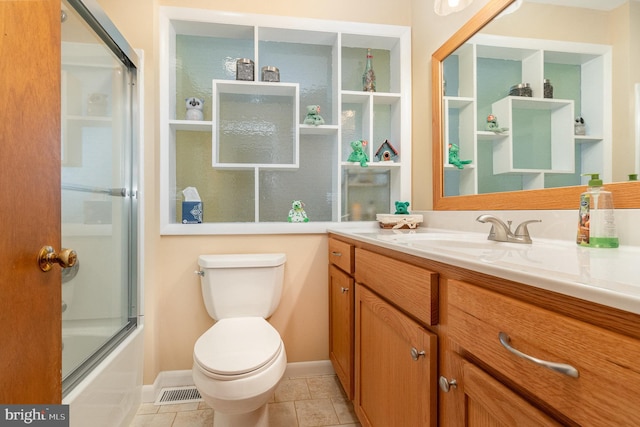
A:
[597,384]
[395,366]
[449,320]
[487,402]
[341,312]
[395,354]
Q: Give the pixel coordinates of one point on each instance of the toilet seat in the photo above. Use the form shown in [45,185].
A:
[236,346]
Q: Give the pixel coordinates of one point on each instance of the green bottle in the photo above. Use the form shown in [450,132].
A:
[369,77]
[596,223]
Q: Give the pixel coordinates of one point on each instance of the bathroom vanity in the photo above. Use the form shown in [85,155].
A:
[433,327]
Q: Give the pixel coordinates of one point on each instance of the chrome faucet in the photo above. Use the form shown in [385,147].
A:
[501,232]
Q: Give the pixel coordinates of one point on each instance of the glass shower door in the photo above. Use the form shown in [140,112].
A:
[98,197]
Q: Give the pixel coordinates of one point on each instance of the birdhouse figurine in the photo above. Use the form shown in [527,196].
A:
[386,152]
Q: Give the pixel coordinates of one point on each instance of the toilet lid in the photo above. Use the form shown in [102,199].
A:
[237,345]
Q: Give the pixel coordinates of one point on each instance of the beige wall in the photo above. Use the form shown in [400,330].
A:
[174,312]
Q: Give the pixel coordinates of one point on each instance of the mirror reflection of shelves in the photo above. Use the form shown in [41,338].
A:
[538,148]
[252,154]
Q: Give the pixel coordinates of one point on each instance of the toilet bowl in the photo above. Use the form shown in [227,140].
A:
[239,361]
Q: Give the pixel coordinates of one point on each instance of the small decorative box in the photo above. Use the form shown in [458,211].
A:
[244,69]
[522,89]
[270,74]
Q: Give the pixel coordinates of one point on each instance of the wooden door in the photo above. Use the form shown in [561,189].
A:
[488,403]
[30,302]
[393,388]
[341,324]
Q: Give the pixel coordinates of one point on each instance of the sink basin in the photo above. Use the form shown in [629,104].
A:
[477,247]
[475,244]
[435,236]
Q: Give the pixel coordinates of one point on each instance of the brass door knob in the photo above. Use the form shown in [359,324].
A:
[47,257]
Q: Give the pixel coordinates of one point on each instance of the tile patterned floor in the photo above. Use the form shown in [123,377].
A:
[317,401]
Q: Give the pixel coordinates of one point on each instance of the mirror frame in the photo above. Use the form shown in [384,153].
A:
[626,195]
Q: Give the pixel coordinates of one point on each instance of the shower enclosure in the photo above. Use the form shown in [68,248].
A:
[99,189]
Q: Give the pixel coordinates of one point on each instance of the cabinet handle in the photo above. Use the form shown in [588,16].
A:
[344,290]
[334,253]
[415,354]
[446,385]
[562,368]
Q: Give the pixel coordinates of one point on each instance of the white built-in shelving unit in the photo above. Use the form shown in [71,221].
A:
[252,154]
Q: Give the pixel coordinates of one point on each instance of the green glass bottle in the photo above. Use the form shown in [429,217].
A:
[369,77]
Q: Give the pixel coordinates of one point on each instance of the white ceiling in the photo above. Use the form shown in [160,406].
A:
[589,4]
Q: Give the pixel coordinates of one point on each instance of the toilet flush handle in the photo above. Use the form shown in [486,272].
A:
[199,273]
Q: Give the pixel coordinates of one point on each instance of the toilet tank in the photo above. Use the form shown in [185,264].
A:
[241,285]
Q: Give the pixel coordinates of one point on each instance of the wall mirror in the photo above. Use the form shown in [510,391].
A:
[532,158]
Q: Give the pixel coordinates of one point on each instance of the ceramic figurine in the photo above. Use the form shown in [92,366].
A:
[386,152]
[402,208]
[313,116]
[492,124]
[358,154]
[297,213]
[454,157]
[194,108]
[580,127]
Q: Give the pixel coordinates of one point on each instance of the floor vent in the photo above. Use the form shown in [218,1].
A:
[174,395]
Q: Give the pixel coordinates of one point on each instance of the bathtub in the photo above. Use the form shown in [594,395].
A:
[110,395]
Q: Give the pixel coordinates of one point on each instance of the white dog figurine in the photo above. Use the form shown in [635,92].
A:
[297,213]
[194,108]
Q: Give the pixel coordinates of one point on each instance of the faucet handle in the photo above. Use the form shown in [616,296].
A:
[523,231]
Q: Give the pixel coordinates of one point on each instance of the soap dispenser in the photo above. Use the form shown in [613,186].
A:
[596,223]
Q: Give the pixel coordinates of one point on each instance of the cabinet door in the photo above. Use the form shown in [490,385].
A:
[395,366]
[341,319]
[488,403]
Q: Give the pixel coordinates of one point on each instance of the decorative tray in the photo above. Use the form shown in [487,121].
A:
[399,221]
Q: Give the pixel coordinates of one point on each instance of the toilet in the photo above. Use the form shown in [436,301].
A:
[239,361]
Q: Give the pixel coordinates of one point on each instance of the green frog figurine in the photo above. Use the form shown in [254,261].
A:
[454,157]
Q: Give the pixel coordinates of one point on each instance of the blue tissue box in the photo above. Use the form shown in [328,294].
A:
[191,212]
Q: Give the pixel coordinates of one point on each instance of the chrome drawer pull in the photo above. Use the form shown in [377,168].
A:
[415,354]
[446,384]
[563,368]
[334,253]
[344,290]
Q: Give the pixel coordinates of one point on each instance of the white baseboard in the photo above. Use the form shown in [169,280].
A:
[309,369]
[165,379]
[182,378]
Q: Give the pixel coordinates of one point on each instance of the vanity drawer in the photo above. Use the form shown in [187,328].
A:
[607,388]
[341,255]
[411,288]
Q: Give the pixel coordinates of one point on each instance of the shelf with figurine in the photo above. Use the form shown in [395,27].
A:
[314,123]
[385,156]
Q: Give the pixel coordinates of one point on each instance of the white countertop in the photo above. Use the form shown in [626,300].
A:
[610,277]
